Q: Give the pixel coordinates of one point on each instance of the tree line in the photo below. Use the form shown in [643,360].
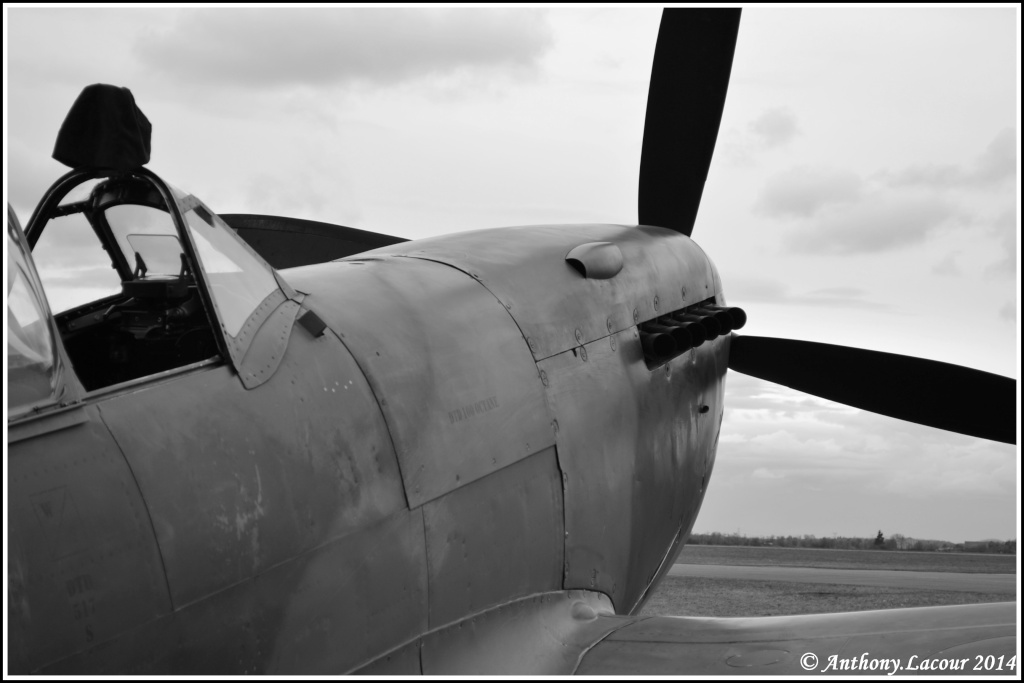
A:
[878,542]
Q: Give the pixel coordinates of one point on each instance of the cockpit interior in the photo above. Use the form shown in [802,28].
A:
[135,290]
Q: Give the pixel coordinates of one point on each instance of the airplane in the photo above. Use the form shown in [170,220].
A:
[289,447]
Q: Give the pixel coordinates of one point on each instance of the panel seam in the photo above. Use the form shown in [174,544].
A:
[145,506]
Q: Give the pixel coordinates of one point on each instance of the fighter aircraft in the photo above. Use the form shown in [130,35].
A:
[475,453]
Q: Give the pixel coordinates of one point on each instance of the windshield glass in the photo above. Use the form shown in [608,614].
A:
[148,232]
[30,351]
[81,192]
[71,261]
[238,280]
[161,254]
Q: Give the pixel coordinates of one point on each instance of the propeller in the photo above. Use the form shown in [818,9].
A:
[950,397]
[689,81]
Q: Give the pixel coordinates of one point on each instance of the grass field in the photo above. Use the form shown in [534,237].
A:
[848,559]
[693,596]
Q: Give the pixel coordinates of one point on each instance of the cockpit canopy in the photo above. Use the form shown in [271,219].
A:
[31,357]
[145,278]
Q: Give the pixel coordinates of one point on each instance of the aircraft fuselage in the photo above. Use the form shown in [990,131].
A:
[472,424]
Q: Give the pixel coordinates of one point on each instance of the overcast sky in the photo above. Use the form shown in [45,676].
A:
[863,191]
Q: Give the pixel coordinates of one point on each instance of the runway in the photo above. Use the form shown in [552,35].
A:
[941,581]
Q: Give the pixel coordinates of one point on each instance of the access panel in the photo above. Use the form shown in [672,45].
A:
[238,480]
[450,368]
[636,444]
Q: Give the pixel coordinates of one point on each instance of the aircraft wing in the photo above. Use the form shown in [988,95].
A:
[960,639]
[286,242]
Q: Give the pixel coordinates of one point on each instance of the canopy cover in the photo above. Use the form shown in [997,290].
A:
[104,129]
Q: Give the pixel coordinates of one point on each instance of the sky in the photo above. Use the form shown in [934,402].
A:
[863,190]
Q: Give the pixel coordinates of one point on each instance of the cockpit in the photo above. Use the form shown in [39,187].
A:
[143,278]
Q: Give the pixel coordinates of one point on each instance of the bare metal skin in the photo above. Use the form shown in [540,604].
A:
[457,455]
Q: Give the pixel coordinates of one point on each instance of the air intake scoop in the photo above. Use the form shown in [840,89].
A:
[596,260]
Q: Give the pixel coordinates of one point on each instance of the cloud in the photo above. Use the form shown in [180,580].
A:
[850,297]
[772,291]
[956,466]
[947,267]
[773,432]
[69,242]
[28,177]
[999,160]
[756,403]
[839,292]
[70,46]
[883,221]
[803,191]
[838,212]
[277,47]
[1009,312]
[70,286]
[996,165]
[775,127]
[1005,230]
[792,441]
[756,289]
[294,196]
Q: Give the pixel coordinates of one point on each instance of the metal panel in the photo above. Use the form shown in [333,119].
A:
[239,345]
[57,419]
[405,661]
[82,560]
[324,612]
[526,270]
[453,374]
[268,346]
[669,558]
[238,481]
[637,444]
[495,539]
[360,597]
[539,635]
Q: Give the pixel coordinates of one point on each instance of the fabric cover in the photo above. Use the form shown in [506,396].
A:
[104,129]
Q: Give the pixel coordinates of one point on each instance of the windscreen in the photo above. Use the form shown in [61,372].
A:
[30,351]
[238,280]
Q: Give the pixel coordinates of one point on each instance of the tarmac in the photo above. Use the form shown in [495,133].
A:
[942,581]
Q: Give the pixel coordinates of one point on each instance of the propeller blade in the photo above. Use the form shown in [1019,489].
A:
[689,80]
[950,397]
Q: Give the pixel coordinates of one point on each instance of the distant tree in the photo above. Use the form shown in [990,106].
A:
[880,540]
